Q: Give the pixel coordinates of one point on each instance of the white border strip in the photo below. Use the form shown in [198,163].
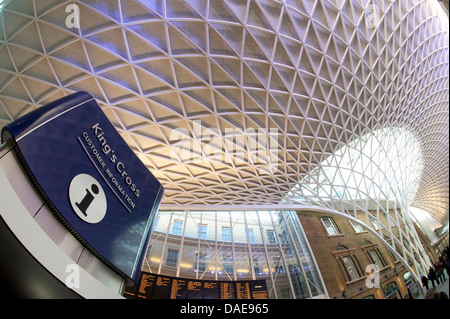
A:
[42,248]
[52,118]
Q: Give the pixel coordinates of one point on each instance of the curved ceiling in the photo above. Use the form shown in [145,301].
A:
[261,91]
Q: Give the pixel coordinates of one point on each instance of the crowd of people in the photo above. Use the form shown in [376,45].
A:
[436,274]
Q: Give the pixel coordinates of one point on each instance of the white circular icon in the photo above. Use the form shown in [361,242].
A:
[87,198]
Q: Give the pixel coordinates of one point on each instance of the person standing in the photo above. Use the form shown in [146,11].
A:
[441,270]
[432,275]
[437,270]
[447,266]
[424,281]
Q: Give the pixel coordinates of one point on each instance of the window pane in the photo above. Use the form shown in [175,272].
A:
[251,236]
[305,258]
[188,260]
[350,268]
[357,227]
[156,242]
[201,231]
[201,260]
[375,258]
[234,245]
[225,262]
[330,226]
[172,258]
[374,223]
[208,247]
[242,262]
[177,227]
[226,233]
[271,237]
[260,267]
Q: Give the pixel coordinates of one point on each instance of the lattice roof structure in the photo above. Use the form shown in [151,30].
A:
[215,74]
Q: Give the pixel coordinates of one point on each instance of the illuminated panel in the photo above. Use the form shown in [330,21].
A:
[89,177]
[152,286]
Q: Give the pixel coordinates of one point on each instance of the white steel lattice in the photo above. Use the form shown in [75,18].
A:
[320,74]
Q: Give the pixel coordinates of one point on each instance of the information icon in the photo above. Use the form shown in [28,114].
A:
[87,198]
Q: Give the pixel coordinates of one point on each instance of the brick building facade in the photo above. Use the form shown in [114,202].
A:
[345,251]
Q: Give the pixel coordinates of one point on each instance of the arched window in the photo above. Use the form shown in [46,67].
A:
[348,263]
[374,255]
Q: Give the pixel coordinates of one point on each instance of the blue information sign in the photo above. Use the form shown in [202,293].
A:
[90,178]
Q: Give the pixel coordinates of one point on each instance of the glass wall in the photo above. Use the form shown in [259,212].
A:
[236,245]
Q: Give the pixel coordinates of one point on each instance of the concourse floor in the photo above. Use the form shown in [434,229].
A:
[443,286]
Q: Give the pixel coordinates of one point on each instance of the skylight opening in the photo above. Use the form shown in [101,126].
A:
[383,165]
